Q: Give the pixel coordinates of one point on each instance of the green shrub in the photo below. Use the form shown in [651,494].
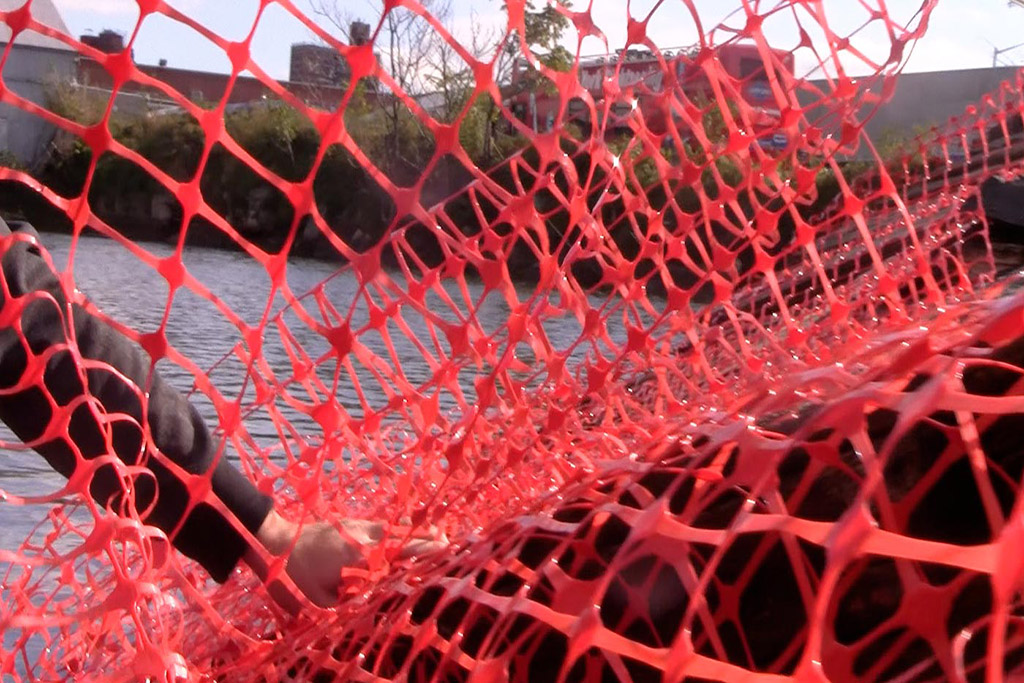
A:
[172,142]
[277,136]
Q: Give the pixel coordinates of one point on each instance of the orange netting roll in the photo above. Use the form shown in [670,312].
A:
[700,384]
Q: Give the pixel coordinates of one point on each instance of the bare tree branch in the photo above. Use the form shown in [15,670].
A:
[404,43]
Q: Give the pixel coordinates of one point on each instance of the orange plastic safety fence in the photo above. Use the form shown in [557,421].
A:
[700,385]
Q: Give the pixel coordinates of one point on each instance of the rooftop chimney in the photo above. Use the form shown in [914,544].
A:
[359,33]
[107,41]
[319,64]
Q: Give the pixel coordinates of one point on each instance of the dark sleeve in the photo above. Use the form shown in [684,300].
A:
[34,339]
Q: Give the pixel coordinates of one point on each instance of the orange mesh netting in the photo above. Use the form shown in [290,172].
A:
[696,392]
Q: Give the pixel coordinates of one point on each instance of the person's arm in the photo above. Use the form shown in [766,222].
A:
[38,373]
[35,328]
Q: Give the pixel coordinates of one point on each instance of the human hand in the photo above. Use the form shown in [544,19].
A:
[317,553]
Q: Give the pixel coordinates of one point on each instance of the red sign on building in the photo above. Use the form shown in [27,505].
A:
[620,84]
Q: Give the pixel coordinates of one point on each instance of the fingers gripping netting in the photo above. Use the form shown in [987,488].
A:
[701,382]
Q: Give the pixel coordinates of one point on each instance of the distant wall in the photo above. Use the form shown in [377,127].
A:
[922,99]
[27,72]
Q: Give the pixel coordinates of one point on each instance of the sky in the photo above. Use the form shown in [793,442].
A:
[962,33]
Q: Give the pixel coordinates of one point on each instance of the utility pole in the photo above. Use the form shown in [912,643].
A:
[996,51]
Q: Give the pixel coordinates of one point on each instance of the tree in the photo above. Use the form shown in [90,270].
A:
[450,78]
[543,32]
[403,44]
[424,65]
[454,84]
[544,27]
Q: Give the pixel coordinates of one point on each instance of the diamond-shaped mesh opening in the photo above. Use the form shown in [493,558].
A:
[66,167]
[277,136]
[172,141]
[397,139]
[357,225]
[132,202]
[242,202]
[175,84]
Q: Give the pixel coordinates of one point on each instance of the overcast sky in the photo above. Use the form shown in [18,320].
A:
[963,33]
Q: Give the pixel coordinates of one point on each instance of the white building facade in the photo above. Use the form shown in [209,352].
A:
[34,63]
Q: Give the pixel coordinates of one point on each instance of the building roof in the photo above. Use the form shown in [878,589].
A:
[43,11]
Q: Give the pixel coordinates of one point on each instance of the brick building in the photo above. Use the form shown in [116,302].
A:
[204,86]
[323,65]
